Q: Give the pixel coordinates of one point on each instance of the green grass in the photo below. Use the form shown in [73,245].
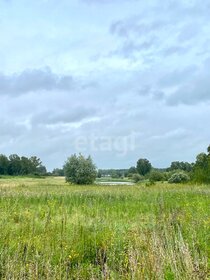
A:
[52,230]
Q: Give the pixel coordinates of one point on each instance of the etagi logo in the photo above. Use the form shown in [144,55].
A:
[121,145]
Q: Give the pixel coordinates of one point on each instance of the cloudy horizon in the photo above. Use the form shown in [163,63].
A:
[119,80]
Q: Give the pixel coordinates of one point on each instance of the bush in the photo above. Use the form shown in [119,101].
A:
[80,170]
[137,178]
[167,175]
[156,176]
[179,177]
[150,183]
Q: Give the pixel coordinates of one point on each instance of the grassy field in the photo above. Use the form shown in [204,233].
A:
[51,230]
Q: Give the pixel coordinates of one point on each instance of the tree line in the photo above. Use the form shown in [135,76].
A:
[81,170]
[15,165]
[178,172]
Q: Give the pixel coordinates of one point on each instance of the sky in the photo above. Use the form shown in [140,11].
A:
[117,79]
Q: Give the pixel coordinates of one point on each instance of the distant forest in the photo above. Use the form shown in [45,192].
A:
[15,165]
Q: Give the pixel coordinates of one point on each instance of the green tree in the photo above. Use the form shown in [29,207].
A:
[41,170]
[180,165]
[4,164]
[32,165]
[143,166]
[58,172]
[201,169]
[14,165]
[99,174]
[208,150]
[35,164]
[132,170]
[26,166]
[115,174]
[80,170]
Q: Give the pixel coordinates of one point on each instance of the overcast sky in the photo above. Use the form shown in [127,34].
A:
[117,79]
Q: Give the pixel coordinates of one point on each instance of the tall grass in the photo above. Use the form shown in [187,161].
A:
[51,230]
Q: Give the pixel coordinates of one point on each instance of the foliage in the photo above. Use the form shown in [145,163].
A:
[99,174]
[116,174]
[137,177]
[80,170]
[41,170]
[208,150]
[143,166]
[15,165]
[180,165]
[58,172]
[201,170]
[132,170]
[156,176]
[4,164]
[179,177]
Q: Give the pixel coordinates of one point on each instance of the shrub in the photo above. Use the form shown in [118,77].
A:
[150,183]
[179,177]
[167,175]
[156,176]
[80,170]
[137,178]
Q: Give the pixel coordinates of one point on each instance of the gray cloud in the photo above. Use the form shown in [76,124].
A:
[174,28]
[136,26]
[189,32]
[34,80]
[10,129]
[194,92]
[130,48]
[174,50]
[178,76]
[150,78]
[51,117]
[151,92]
[195,88]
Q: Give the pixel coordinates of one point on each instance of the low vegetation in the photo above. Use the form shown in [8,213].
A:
[179,177]
[53,230]
[71,228]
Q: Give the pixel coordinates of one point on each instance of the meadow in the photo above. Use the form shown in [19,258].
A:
[53,230]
